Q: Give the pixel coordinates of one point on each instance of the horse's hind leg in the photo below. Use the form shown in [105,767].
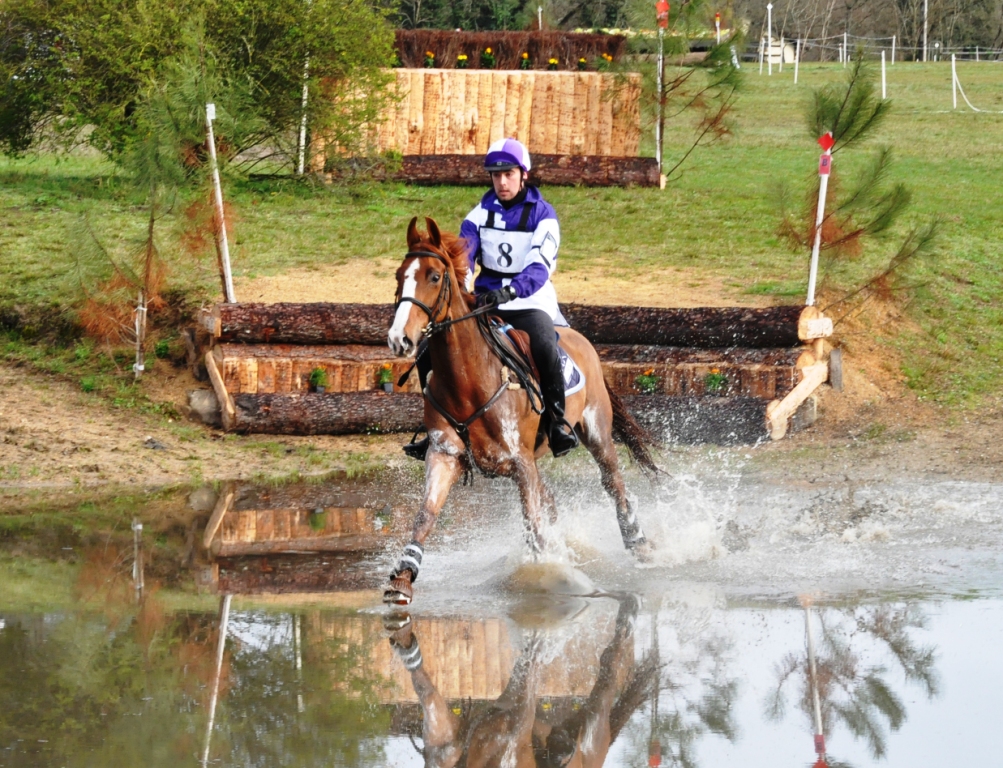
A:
[598,440]
[441,471]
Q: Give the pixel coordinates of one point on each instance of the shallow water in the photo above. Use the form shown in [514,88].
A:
[701,655]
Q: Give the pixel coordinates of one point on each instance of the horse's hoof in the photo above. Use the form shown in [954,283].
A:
[396,621]
[643,552]
[399,592]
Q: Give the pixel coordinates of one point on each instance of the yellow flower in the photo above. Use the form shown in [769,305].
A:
[715,370]
[649,371]
[487,50]
[525,55]
[430,54]
[582,60]
[387,366]
[462,57]
[552,61]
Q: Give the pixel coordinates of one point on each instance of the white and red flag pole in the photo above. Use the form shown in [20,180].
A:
[662,15]
[824,166]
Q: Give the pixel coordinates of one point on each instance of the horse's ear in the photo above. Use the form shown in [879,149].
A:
[413,238]
[434,236]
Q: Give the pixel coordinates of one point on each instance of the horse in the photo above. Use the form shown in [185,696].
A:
[508,731]
[476,419]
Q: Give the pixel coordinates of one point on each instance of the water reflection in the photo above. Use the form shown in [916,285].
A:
[249,632]
[849,680]
[553,711]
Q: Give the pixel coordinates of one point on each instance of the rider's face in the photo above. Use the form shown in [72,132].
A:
[507,183]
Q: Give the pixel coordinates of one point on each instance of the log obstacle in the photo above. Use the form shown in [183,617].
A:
[711,374]
[548,169]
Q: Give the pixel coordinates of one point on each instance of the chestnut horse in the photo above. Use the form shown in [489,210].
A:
[474,416]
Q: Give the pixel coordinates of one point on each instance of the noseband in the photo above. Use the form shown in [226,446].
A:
[442,300]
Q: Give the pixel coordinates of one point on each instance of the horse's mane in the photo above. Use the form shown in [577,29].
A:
[454,248]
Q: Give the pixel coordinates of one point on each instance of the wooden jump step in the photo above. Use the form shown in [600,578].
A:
[747,370]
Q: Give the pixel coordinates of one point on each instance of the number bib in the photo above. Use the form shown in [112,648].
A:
[505,250]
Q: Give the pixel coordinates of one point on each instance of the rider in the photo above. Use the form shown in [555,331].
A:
[514,235]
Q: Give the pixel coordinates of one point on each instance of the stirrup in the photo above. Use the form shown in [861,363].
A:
[416,449]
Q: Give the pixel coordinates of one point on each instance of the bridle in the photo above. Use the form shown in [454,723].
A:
[435,326]
[443,299]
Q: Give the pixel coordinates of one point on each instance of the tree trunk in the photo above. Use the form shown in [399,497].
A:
[557,170]
[286,323]
[324,414]
[702,327]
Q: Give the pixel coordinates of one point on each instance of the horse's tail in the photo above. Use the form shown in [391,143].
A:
[633,435]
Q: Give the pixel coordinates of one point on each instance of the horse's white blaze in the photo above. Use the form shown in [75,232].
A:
[396,336]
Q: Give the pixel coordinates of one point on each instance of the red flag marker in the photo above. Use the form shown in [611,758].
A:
[662,12]
[826,141]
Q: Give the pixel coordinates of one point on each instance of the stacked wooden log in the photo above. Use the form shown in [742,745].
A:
[460,112]
[696,375]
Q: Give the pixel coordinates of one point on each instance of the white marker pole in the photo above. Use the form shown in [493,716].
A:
[661,100]
[825,164]
[760,55]
[893,50]
[781,53]
[301,165]
[224,248]
[717,24]
[539,17]
[846,50]
[926,27]
[884,88]
[954,81]
[769,38]
[224,622]
[797,60]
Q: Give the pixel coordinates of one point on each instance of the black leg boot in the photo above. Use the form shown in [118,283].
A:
[561,435]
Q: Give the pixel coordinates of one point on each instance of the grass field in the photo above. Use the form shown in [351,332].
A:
[720,216]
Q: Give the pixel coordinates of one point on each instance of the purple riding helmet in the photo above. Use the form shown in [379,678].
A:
[505,154]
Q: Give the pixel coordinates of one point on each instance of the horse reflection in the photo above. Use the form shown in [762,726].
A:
[509,732]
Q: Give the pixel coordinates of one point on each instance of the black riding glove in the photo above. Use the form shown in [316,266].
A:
[496,297]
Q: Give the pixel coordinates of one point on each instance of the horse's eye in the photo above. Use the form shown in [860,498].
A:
[434,278]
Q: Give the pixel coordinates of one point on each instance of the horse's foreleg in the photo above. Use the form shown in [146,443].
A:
[599,442]
[441,471]
[534,494]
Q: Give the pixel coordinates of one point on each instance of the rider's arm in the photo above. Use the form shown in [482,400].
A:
[542,259]
[470,234]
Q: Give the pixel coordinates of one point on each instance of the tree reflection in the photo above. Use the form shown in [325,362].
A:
[852,673]
[694,695]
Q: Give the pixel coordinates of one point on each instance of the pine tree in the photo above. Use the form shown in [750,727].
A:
[167,162]
[861,212]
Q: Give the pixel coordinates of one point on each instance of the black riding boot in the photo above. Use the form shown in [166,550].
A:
[560,433]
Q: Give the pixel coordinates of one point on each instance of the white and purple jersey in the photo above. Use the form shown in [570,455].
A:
[515,247]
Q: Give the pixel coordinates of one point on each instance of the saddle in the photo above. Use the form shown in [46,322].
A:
[517,343]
